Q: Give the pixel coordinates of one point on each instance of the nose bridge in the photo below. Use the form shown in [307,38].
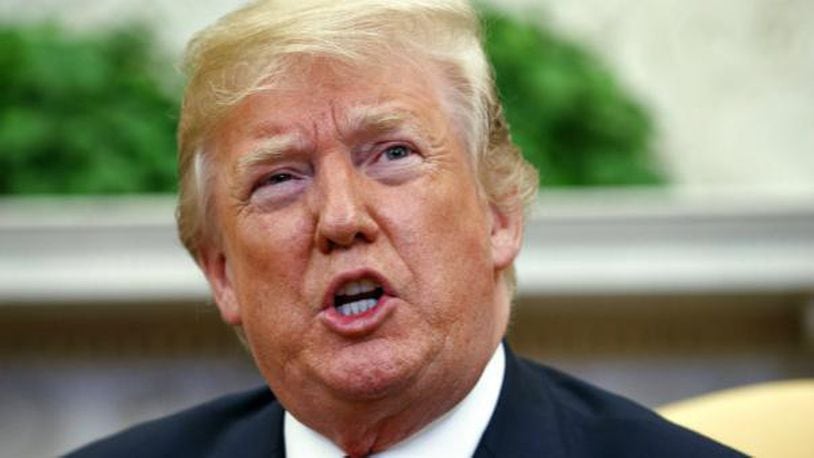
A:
[341,211]
[338,189]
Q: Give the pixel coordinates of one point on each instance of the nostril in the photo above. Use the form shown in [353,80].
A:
[337,241]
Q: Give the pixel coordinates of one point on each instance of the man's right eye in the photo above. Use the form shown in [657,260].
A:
[278,178]
[276,182]
[278,187]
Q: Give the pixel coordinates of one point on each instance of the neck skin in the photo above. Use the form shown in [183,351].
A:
[361,428]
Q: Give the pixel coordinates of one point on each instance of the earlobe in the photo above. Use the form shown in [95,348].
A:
[506,236]
[218,273]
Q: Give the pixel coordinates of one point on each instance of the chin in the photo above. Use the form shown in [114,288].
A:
[366,374]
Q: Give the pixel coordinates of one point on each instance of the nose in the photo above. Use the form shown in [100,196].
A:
[342,212]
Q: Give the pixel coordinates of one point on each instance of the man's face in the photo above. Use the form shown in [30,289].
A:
[357,253]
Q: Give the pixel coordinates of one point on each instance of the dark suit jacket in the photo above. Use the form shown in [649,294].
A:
[540,413]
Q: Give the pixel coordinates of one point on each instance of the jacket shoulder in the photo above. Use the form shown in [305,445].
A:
[203,430]
[595,422]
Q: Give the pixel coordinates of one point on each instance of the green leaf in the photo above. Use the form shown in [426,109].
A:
[566,111]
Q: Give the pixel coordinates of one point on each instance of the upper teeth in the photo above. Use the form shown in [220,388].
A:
[356,307]
[357,287]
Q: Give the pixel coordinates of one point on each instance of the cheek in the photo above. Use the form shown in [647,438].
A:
[272,240]
[273,258]
[455,218]
[271,253]
[447,232]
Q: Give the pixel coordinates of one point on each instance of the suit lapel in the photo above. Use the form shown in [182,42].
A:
[257,436]
[276,435]
[524,421]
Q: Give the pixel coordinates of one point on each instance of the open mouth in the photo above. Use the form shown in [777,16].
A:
[357,297]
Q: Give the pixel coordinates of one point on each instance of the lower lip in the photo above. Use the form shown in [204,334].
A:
[362,324]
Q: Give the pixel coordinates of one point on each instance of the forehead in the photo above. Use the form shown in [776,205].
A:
[320,91]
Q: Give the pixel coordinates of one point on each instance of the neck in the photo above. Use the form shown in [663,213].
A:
[364,428]
[462,424]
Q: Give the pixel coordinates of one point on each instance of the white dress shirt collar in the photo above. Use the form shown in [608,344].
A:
[455,434]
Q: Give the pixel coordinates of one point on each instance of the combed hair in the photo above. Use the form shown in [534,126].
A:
[244,50]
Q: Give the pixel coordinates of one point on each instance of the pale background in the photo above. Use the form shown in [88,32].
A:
[729,81]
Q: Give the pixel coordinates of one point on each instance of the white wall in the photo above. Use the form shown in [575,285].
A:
[731,82]
[175,20]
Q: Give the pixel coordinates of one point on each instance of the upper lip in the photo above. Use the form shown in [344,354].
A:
[353,275]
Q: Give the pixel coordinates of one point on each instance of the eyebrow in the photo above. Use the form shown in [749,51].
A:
[364,119]
[272,148]
[368,119]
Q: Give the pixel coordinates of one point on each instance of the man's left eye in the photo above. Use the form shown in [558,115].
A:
[397,152]
[394,163]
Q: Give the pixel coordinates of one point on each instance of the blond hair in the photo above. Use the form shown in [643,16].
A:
[245,49]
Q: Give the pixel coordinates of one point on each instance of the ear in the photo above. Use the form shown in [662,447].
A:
[506,236]
[215,266]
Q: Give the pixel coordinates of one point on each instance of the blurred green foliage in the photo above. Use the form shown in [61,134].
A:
[84,113]
[96,112]
[566,111]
